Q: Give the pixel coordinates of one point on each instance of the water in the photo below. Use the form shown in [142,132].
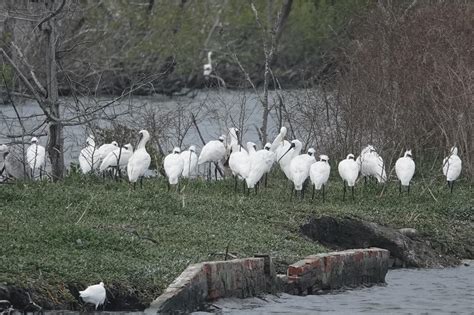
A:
[408,291]
[215,111]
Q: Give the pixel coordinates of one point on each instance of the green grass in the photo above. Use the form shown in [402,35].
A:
[84,230]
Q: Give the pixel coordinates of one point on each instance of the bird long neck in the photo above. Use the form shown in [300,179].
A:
[142,142]
[209,57]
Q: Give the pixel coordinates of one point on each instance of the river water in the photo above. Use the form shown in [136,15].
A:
[408,291]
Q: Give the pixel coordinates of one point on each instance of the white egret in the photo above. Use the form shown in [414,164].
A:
[348,170]
[299,167]
[268,157]
[208,66]
[139,161]
[405,169]
[452,166]
[118,158]
[319,174]
[173,165]
[13,166]
[94,294]
[371,164]
[89,157]
[281,148]
[106,148]
[213,151]
[239,161]
[261,162]
[36,158]
[190,161]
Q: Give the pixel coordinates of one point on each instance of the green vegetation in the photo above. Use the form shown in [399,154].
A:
[84,230]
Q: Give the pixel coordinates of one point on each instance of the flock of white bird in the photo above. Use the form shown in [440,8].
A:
[252,165]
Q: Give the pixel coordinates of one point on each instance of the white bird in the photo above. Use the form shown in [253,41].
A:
[405,169]
[190,161]
[348,170]
[371,164]
[213,151]
[13,165]
[139,161]
[281,148]
[208,66]
[239,161]
[36,157]
[268,157]
[118,158]
[89,157]
[173,165]
[94,294]
[106,148]
[299,167]
[260,164]
[319,173]
[452,166]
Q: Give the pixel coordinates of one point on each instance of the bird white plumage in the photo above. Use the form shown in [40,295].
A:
[208,66]
[122,155]
[299,166]
[371,164]
[140,159]
[89,157]
[261,162]
[36,157]
[106,148]
[349,170]
[405,168]
[213,151]
[94,294]
[239,161]
[190,161]
[173,165]
[319,172]
[452,165]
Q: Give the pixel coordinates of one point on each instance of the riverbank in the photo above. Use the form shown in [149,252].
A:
[59,238]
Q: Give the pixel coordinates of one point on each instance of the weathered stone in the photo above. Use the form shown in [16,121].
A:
[344,233]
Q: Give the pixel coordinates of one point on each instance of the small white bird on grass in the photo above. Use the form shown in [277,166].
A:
[405,169]
[213,152]
[319,174]
[118,158]
[190,161]
[94,294]
[452,166]
[89,157]
[139,161]
[348,170]
[173,165]
[208,66]
[36,158]
[239,161]
[372,164]
[299,167]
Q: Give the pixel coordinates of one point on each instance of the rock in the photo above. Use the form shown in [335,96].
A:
[411,233]
[346,233]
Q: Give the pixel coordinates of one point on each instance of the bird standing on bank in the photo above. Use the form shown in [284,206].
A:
[239,161]
[213,152]
[173,165]
[106,148]
[36,158]
[89,157]
[319,174]
[348,170]
[190,161]
[139,161]
[208,66]
[299,167]
[405,169]
[452,166]
[118,158]
[371,164]
[94,294]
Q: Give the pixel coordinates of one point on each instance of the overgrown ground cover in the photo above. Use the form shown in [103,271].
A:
[85,229]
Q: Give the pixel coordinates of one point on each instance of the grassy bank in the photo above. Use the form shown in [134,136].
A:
[84,230]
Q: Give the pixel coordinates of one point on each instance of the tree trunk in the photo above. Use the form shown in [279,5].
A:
[56,140]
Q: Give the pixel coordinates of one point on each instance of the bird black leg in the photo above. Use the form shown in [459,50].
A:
[243,186]
[266,180]
[209,172]
[134,185]
[235,183]
[400,188]
[344,195]
[452,186]
[352,188]
[408,189]
[141,182]
[312,195]
[323,193]
[169,186]
[365,180]
[215,171]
